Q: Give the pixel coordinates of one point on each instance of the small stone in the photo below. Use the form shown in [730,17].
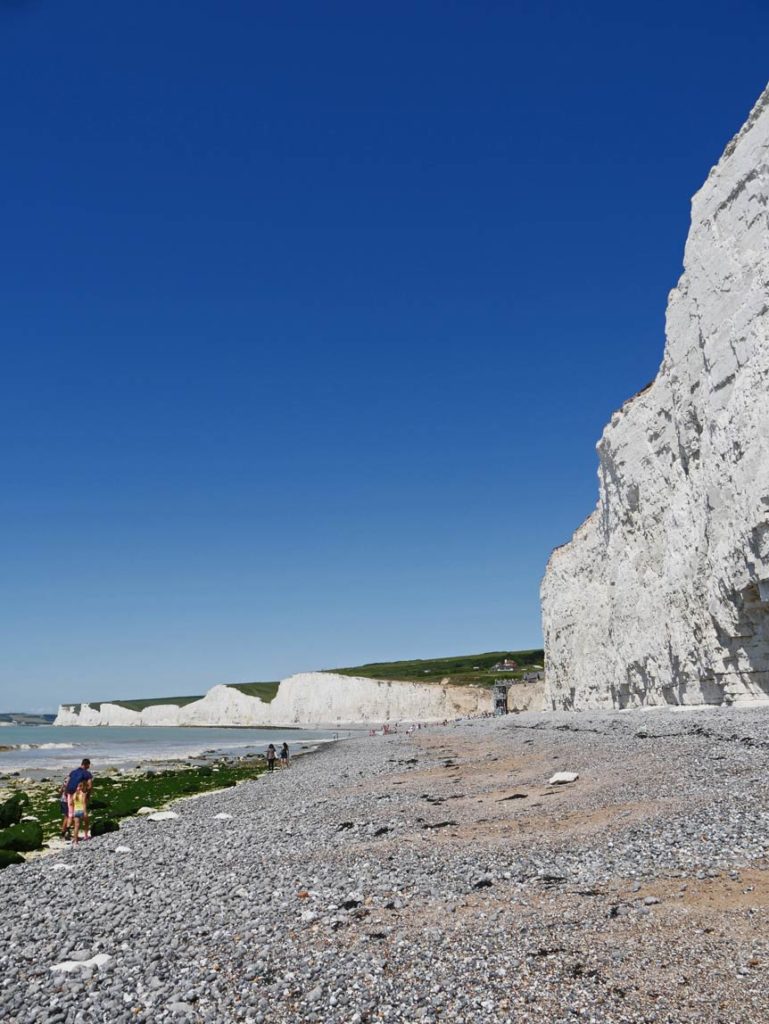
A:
[562,778]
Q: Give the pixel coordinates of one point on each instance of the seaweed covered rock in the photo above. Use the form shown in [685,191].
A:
[101,828]
[25,836]
[10,857]
[12,809]
[123,805]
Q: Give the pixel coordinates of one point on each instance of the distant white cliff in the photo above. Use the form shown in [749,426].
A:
[662,595]
[307,699]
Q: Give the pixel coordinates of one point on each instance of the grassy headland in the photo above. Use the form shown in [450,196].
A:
[264,691]
[462,670]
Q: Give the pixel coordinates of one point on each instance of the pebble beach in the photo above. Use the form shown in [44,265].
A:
[429,877]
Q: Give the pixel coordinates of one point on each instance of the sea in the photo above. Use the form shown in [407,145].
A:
[41,750]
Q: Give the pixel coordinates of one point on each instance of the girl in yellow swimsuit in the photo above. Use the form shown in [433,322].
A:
[80,807]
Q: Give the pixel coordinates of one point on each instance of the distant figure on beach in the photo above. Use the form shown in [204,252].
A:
[80,776]
[271,758]
[80,811]
[64,808]
[284,756]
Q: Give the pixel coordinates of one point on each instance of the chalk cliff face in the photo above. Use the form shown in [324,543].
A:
[662,596]
[308,699]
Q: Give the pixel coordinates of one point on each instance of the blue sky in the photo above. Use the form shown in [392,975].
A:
[312,314]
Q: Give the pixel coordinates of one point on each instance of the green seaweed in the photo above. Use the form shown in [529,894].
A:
[119,796]
[113,798]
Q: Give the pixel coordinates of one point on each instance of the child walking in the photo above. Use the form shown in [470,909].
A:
[80,808]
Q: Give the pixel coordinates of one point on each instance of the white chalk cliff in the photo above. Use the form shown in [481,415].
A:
[662,595]
[307,699]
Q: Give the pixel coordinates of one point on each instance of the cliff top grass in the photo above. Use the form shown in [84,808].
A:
[462,670]
[135,705]
[140,705]
[264,691]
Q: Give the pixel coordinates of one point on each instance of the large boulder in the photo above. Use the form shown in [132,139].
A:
[12,809]
[9,857]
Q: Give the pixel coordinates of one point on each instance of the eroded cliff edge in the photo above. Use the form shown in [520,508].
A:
[662,595]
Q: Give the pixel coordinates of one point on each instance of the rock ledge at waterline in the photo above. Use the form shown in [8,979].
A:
[662,595]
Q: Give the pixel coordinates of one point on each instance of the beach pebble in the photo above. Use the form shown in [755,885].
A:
[222,816]
[562,778]
[388,921]
[69,966]
[162,816]
[79,954]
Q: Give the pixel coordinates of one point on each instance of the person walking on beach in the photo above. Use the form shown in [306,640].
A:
[75,778]
[271,758]
[284,756]
[80,811]
[64,808]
